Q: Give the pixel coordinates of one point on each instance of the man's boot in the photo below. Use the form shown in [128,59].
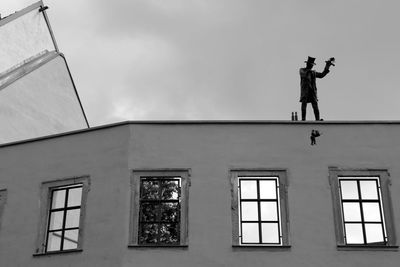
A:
[316,110]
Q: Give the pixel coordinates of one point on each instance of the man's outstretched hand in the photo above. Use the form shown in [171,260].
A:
[331,61]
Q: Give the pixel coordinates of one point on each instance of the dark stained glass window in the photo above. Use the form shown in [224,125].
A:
[159,211]
[64,218]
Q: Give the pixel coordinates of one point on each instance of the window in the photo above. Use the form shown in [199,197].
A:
[159,207]
[63,211]
[259,205]
[362,208]
[64,214]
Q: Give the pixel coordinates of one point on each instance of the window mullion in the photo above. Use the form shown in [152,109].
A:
[64,219]
[159,193]
[362,211]
[259,213]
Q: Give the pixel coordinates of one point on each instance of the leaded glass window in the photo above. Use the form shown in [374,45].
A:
[160,208]
[64,218]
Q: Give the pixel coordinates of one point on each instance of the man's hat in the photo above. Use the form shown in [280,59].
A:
[310,60]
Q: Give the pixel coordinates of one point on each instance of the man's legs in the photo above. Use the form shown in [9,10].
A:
[303,110]
[316,110]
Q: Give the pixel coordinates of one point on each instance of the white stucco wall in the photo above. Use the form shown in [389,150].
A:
[43,102]
[23,37]
[108,155]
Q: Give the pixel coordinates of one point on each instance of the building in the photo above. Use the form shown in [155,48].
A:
[335,203]
[37,93]
[181,193]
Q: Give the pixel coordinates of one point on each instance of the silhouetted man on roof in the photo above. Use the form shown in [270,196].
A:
[308,86]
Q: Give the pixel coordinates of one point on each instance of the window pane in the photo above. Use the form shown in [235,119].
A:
[148,212]
[56,220]
[369,189]
[374,232]
[349,189]
[148,234]
[170,212]
[170,189]
[351,212]
[371,212]
[267,189]
[248,189]
[75,197]
[72,219]
[269,211]
[249,211]
[354,233]
[270,233]
[169,233]
[250,233]
[71,239]
[58,200]
[149,189]
[54,241]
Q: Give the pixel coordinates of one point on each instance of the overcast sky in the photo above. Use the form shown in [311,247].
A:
[227,59]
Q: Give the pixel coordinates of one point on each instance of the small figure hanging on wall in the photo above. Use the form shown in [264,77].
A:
[308,86]
[314,134]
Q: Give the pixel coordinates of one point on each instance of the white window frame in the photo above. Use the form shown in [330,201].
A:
[45,202]
[336,173]
[281,175]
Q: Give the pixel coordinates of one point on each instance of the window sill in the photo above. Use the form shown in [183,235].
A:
[57,252]
[261,247]
[158,246]
[367,248]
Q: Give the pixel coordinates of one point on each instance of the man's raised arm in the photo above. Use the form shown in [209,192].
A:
[329,63]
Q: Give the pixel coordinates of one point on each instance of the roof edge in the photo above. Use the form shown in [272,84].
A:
[76,91]
[20,13]
[203,122]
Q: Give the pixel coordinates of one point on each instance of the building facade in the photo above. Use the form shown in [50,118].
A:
[228,193]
